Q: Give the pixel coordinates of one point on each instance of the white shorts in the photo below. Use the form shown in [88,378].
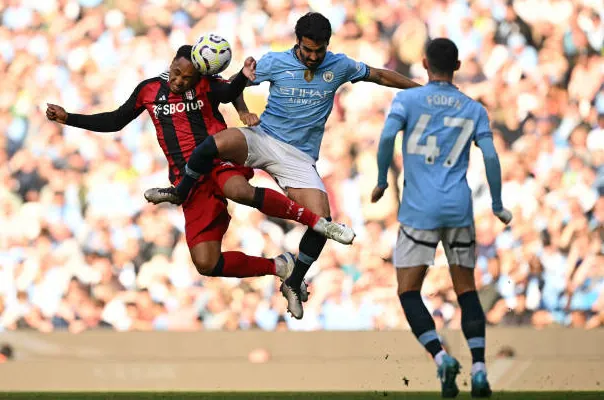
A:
[290,167]
[415,247]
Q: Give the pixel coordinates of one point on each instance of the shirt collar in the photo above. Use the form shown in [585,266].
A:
[442,83]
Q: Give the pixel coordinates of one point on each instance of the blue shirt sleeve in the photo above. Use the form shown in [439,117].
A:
[483,126]
[493,169]
[264,68]
[394,123]
[355,70]
[398,110]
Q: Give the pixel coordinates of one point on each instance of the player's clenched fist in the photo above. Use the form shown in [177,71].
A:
[56,113]
[249,119]
[504,216]
[377,193]
[249,68]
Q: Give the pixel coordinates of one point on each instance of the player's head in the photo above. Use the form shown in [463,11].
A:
[183,75]
[442,58]
[313,32]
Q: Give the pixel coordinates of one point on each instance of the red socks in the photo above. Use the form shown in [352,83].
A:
[274,204]
[235,264]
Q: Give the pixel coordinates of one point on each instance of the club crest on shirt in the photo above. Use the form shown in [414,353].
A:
[309,75]
[328,76]
[190,94]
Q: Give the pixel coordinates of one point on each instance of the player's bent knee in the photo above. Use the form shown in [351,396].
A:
[232,145]
[409,287]
[205,262]
[313,199]
[459,290]
[410,279]
[205,255]
[204,267]
[463,279]
[240,192]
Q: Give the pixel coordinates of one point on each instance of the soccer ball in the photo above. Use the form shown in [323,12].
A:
[211,54]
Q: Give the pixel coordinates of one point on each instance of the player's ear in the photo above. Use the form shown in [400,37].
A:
[457,65]
[425,63]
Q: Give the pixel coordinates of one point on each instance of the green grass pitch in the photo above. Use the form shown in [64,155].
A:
[291,395]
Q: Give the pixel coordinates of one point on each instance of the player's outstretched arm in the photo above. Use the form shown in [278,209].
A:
[112,121]
[228,92]
[103,122]
[386,77]
[493,170]
[384,156]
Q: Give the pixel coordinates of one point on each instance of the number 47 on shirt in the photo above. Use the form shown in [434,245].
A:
[431,150]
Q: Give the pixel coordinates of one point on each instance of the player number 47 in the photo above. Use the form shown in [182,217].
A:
[431,150]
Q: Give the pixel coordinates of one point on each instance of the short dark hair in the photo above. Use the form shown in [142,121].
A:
[184,51]
[442,55]
[315,26]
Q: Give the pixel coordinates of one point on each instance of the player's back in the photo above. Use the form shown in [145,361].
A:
[439,124]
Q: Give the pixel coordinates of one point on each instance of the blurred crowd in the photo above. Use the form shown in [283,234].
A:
[80,248]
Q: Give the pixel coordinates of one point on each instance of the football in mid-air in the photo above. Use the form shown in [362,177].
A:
[211,54]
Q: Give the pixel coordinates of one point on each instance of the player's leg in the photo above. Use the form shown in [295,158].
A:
[232,145]
[206,222]
[233,181]
[459,244]
[409,283]
[210,261]
[473,325]
[414,251]
[228,144]
[295,172]
[310,247]
[292,168]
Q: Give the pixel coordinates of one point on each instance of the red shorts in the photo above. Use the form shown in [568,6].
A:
[206,216]
[224,170]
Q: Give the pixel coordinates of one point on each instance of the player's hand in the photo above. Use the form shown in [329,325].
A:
[249,68]
[377,193]
[56,113]
[249,119]
[504,216]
